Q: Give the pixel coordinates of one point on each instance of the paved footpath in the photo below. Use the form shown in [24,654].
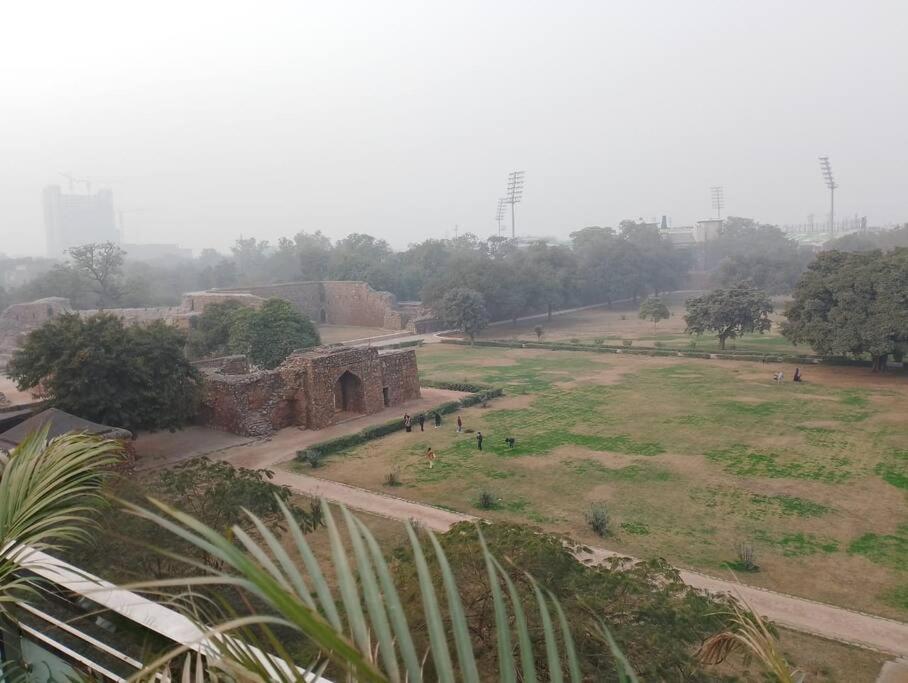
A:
[808,616]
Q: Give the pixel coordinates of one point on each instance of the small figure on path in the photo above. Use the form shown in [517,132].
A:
[431,457]
[408,422]
[510,441]
[479,440]
[459,424]
[779,377]
[437,419]
[421,419]
[797,375]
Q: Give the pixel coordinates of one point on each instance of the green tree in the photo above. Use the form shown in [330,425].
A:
[654,309]
[210,332]
[852,304]
[270,334]
[133,377]
[214,492]
[729,313]
[102,264]
[465,310]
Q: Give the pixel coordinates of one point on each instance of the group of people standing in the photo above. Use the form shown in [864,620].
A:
[420,420]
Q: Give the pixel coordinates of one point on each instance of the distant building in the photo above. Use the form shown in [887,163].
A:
[155,252]
[74,219]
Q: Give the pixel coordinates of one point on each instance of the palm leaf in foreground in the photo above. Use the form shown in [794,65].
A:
[363,631]
[50,491]
[752,636]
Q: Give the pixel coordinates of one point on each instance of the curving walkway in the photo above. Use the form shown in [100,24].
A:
[820,619]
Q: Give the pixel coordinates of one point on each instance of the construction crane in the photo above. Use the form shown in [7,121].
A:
[73,180]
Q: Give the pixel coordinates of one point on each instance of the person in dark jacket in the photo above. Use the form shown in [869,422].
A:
[437,419]
[479,440]
[421,420]
[408,422]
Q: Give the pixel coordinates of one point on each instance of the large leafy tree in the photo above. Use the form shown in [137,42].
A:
[210,332]
[465,310]
[852,304]
[729,313]
[134,377]
[270,334]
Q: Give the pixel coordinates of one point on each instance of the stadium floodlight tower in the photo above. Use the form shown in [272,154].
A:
[718,195]
[832,185]
[514,195]
[499,214]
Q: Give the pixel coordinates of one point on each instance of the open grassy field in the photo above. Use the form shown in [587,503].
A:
[622,322]
[691,457]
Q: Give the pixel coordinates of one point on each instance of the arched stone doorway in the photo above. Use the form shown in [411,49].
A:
[349,396]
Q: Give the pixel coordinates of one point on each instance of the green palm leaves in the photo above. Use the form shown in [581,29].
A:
[49,491]
[351,612]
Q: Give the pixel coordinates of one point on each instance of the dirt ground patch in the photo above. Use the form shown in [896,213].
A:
[333,334]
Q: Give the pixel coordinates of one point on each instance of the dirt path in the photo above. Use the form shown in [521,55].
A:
[808,616]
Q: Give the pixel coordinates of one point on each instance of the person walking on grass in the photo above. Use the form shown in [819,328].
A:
[479,440]
[408,422]
[437,419]
[459,424]
[431,457]
[421,419]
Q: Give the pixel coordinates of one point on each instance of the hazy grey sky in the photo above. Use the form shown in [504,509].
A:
[402,119]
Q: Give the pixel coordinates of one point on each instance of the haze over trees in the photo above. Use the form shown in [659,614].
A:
[464,309]
[135,377]
[729,313]
[852,304]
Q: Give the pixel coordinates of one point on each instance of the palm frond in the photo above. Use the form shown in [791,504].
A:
[50,491]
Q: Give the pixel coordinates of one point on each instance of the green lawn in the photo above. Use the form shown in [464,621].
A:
[691,457]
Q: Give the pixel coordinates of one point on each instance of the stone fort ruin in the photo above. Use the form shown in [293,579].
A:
[312,389]
[326,302]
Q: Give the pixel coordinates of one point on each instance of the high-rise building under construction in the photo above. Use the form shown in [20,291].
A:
[74,219]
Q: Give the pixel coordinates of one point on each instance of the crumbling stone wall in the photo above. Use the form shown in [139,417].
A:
[310,389]
[18,320]
[338,302]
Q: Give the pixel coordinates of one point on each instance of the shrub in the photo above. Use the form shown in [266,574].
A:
[599,341]
[746,558]
[539,332]
[623,317]
[574,340]
[310,456]
[627,343]
[659,344]
[392,478]
[487,500]
[692,344]
[598,519]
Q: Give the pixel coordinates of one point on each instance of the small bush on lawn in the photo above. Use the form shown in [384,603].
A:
[392,478]
[659,344]
[311,457]
[487,500]
[598,519]
[599,341]
[746,559]
[627,343]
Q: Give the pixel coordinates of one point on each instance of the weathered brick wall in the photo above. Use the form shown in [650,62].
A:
[254,404]
[305,389]
[400,375]
[337,302]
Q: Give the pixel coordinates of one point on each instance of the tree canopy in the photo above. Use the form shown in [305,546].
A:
[269,334]
[852,304]
[729,313]
[135,377]
[465,310]
[654,310]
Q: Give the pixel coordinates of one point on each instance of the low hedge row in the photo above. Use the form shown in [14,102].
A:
[468,387]
[342,443]
[647,351]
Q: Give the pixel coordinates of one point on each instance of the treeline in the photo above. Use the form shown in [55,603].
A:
[595,265]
